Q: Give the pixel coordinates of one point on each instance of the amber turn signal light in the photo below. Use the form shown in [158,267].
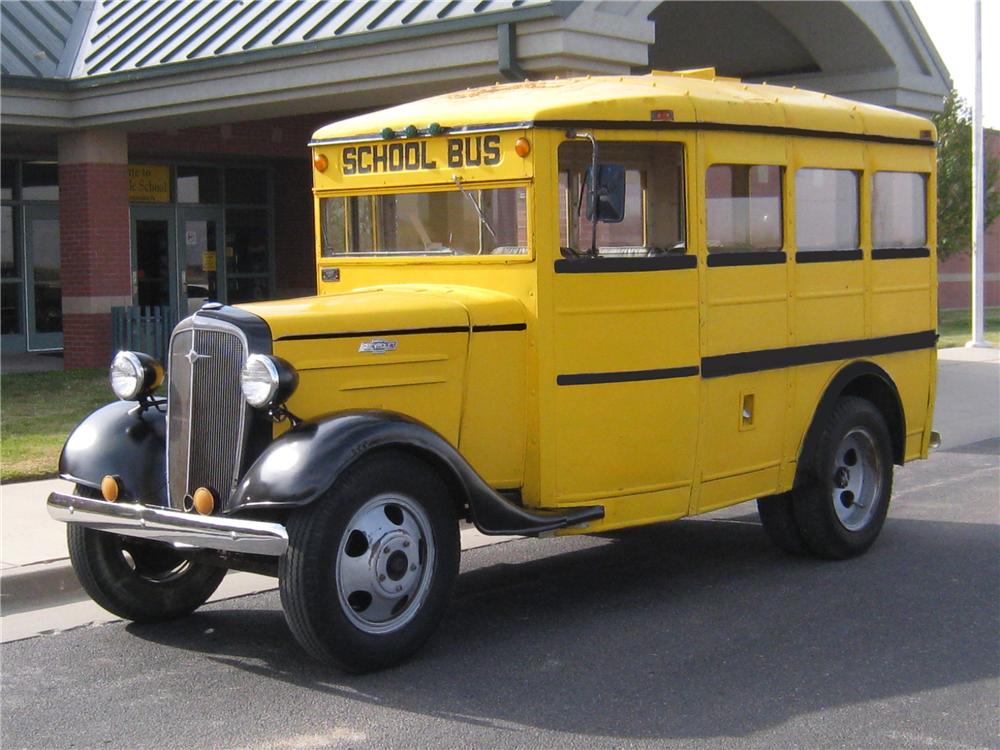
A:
[110,488]
[320,162]
[204,501]
[522,147]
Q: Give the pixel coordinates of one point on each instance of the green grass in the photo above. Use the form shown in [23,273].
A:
[37,411]
[955,327]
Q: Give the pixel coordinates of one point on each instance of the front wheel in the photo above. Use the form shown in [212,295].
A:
[842,512]
[136,579]
[370,567]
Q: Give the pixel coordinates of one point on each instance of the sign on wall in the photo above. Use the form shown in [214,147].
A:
[148,183]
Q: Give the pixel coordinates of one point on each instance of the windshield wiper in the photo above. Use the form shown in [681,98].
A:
[482,217]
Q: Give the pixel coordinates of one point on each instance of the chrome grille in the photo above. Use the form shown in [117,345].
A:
[206,412]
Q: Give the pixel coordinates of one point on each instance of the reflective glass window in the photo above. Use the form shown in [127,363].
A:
[40,181]
[199,185]
[743,203]
[899,210]
[826,209]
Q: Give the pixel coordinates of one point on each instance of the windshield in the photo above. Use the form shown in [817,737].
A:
[458,222]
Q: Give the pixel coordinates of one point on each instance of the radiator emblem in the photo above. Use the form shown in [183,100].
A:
[377,346]
[192,356]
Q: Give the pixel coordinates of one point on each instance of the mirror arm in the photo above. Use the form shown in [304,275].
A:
[593,186]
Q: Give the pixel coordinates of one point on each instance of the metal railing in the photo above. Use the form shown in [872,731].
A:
[142,328]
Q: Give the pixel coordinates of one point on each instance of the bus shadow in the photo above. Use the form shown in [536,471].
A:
[692,629]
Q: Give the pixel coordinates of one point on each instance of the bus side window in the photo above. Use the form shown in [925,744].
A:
[899,210]
[654,200]
[826,210]
[743,202]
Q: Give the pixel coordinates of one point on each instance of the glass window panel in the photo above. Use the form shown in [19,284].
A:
[246,186]
[152,261]
[199,185]
[899,210]
[653,221]
[40,181]
[744,208]
[247,289]
[11,257]
[8,178]
[826,209]
[246,241]
[10,308]
[44,254]
[439,223]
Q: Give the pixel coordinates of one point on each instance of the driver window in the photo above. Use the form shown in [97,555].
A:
[653,223]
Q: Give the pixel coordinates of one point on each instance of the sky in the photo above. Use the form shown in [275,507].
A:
[951,28]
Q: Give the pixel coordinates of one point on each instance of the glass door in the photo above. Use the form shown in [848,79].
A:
[152,259]
[43,285]
[199,244]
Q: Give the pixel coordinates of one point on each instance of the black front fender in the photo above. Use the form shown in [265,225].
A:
[120,440]
[303,464]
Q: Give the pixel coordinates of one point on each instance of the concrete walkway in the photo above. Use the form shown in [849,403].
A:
[35,571]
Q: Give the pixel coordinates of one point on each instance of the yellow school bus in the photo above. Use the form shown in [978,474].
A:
[551,307]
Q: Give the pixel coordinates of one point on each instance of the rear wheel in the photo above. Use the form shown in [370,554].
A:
[370,567]
[841,514]
[136,579]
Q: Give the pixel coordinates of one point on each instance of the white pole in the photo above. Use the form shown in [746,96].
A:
[978,174]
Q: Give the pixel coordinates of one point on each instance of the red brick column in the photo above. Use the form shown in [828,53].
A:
[94,242]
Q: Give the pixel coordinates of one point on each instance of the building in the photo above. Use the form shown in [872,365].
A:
[155,153]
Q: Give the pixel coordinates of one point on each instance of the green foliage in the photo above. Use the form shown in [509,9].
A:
[954,230]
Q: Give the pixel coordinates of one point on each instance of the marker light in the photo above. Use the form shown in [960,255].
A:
[388,133]
[434,129]
[522,147]
[320,162]
[411,131]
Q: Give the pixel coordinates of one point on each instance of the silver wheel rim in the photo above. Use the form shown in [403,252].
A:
[384,563]
[857,479]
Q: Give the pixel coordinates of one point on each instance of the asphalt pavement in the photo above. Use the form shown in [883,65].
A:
[691,634]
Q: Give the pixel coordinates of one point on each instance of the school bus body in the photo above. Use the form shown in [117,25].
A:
[626,388]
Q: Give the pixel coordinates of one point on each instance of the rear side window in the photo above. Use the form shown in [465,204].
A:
[744,208]
[826,210]
[899,210]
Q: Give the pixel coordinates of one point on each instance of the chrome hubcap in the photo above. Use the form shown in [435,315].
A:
[857,479]
[384,563]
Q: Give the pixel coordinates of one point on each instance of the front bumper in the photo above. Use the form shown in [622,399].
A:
[171,526]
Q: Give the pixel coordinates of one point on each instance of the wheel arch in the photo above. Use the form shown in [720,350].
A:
[865,380]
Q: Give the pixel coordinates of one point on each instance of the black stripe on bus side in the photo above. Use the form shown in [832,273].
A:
[403,332]
[592,378]
[894,253]
[827,256]
[752,258]
[500,327]
[810,354]
[590,264]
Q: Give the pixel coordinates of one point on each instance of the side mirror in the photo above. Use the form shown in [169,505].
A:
[610,201]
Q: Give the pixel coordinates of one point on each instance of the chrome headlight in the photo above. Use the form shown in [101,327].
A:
[135,375]
[267,380]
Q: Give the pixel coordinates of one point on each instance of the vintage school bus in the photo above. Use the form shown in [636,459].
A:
[561,306]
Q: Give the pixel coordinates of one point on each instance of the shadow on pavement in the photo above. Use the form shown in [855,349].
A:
[691,629]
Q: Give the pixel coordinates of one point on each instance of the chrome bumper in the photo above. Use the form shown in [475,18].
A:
[171,526]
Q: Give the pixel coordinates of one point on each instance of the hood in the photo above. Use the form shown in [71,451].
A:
[389,308]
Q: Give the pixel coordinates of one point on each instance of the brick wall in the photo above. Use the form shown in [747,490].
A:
[955,273]
[294,239]
[95,262]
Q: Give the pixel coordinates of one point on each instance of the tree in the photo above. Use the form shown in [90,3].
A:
[954,222]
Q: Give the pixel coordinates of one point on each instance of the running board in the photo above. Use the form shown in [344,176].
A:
[495,515]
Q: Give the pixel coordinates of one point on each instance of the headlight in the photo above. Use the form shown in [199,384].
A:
[267,380]
[134,375]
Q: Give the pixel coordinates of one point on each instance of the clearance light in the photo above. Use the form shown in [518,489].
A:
[388,133]
[320,162]
[203,501]
[522,147]
[110,488]
[411,131]
[434,129]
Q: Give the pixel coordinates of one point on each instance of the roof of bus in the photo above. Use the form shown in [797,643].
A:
[696,96]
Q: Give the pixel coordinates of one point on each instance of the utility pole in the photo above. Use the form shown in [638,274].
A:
[978,177]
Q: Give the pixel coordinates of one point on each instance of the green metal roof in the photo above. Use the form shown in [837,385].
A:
[35,37]
[134,37]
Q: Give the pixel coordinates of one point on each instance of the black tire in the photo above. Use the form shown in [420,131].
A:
[778,520]
[136,579]
[331,590]
[852,462]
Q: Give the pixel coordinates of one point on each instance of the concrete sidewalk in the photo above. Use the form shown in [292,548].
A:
[35,571]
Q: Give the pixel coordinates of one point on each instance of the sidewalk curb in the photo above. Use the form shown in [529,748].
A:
[38,585]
